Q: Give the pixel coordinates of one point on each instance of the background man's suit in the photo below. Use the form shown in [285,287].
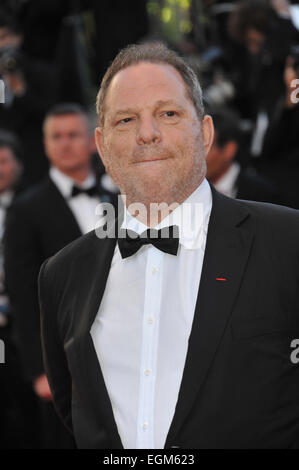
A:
[252,187]
[19,426]
[38,225]
[239,388]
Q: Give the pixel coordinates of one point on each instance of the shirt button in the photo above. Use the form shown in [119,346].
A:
[154,271]
[145,426]
[150,320]
[147,372]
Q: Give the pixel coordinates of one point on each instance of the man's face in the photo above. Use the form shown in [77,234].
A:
[152,142]
[8,38]
[254,41]
[220,159]
[9,169]
[67,142]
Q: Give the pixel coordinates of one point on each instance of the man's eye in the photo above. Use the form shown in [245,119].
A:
[124,121]
[169,113]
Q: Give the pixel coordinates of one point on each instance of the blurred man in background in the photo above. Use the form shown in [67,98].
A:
[39,224]
[266,36]
[280,155]
[224,170]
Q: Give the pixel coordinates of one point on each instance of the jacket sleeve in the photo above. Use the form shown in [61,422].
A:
[55,360]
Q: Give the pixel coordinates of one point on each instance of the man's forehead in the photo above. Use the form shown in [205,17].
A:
[147,76]
[147,67]
[66,120]
[6,153]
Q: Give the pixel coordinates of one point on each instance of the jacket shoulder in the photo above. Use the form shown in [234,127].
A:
[34,196]
[70,260]
[73,251]
[276,225]
[266,212]
[275,222]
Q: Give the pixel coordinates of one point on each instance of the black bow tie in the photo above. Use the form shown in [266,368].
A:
[93,191]
[165,239]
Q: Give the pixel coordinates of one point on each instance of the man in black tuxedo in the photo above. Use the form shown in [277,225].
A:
[41,222]
[152,341]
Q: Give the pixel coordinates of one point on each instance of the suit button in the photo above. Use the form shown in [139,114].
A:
[175,447]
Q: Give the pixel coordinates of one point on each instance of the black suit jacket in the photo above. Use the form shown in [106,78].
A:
[239,387]
[38,224]
[253,187]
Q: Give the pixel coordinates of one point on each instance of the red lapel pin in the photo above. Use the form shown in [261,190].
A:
[221,279]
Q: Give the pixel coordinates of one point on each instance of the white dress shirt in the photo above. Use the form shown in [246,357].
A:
[144,321]
[82,206]
[227,183]
[5,201]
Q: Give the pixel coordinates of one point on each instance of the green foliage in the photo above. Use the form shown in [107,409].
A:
[173,17]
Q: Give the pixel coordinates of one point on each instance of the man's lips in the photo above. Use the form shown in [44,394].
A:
[150,160]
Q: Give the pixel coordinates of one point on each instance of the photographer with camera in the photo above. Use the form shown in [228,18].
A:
[29,92]
[280,155]
[265,32]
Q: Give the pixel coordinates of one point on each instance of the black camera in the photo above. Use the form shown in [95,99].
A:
[10,60]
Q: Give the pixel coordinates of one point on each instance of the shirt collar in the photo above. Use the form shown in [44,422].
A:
[227,183]
[65,184]
[6,198]
[192,218]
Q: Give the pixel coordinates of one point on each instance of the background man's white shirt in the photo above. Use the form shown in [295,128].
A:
[5,201]
[227,184]
[82,206]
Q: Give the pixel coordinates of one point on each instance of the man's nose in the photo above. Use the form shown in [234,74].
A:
[148,131]
[65,141]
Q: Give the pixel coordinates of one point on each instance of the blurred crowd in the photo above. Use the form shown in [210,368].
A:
[53,55]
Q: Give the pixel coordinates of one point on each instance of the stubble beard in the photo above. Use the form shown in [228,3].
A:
[170,188]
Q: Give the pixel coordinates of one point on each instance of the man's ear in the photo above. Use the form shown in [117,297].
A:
[207,133]
[92,144]
[98,135]
[45,146]
[230,150]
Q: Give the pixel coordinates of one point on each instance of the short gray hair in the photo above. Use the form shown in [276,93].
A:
[65,109]
[156,53]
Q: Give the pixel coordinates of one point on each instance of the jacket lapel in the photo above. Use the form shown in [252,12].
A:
[227,251]
[97,264]
[61,212]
